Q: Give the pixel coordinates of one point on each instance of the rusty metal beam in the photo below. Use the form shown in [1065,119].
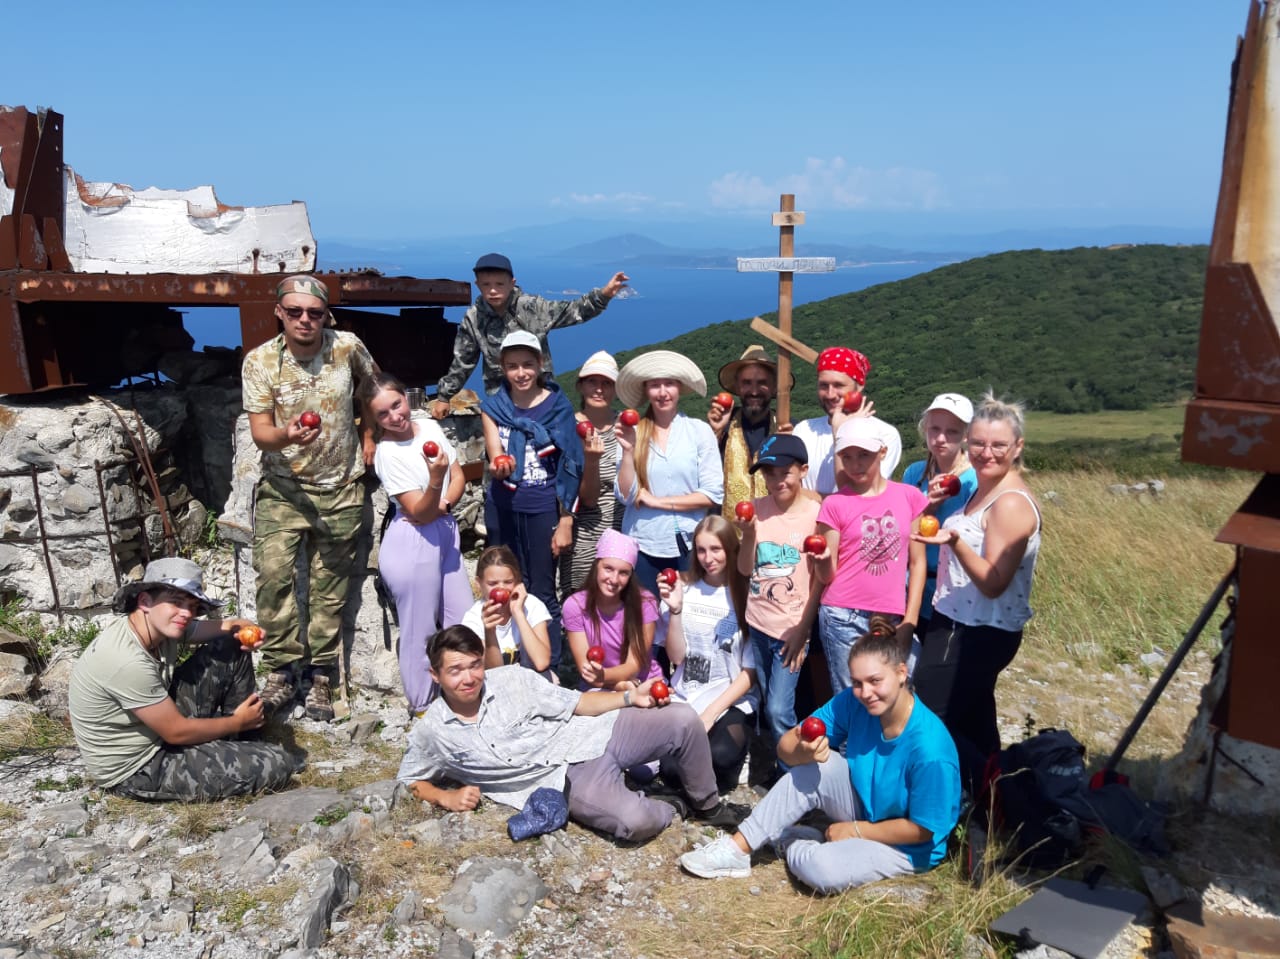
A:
[226,289]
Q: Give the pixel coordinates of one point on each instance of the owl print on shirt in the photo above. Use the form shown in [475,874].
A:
[880,543]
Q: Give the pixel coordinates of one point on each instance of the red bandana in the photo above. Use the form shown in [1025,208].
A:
[844,360]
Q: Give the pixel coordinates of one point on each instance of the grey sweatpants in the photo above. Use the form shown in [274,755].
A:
[216,679]
[599,798]
[825,866]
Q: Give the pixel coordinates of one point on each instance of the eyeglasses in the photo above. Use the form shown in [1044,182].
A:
[295,312]
[997,449]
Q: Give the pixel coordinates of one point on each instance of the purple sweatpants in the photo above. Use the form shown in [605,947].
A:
[422,567]
[597,795]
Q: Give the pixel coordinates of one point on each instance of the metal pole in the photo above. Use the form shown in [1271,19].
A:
[1170,668]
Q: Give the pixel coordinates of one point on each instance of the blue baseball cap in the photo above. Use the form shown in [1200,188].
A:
[781,449]
[493,261]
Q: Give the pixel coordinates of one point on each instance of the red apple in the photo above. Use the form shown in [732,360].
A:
[723,400]
[659,691]
[668,576]
[629,417]
[504,462]
[499,595]
[815,544]
[430,449]
[249,635]
[585,429]
[852,401]
[310,420]
[812,728]
[950,483]
[928,525]
[595,654]
[745,511]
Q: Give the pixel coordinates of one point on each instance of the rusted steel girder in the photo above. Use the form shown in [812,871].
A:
[1233,420]
[56,327]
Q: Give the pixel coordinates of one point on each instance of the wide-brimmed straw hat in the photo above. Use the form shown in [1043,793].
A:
[753,355]
[658,365]
[168,573]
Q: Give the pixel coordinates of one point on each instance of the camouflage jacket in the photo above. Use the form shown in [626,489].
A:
[482,331]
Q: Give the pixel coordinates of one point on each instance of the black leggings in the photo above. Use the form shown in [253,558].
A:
[956,678]
[728,738]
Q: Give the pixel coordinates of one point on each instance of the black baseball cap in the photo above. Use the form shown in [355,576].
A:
[781,449]
[493,261]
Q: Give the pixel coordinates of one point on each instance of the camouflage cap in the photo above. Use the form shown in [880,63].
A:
[302,283]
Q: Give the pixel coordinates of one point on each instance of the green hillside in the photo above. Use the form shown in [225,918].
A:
[1067,331]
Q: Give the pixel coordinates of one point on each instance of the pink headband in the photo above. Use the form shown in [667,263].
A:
[615,545]
[841,359]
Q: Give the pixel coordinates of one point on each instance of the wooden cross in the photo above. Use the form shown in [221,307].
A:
[786,264]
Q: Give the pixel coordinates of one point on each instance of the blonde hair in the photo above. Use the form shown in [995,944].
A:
[991,409]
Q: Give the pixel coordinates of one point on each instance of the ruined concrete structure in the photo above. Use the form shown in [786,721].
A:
[90,273]
[1234,421]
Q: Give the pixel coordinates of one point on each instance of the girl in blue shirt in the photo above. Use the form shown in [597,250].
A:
[893,801]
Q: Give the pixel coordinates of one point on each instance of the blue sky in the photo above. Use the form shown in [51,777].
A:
[397,121]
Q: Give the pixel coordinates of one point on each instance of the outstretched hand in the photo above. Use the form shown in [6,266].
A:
[616,285]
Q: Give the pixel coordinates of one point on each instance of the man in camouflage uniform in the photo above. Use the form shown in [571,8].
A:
[502,308]
[310,495]
[149,731]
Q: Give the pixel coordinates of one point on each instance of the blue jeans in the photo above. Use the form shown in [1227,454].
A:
[839,628]
[777,687]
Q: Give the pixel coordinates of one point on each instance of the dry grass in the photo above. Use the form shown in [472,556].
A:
[1119,575]
[24,734]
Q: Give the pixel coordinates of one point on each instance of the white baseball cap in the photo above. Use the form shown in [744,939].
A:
[521,339]
[862,432]
[600,364]
[955,404]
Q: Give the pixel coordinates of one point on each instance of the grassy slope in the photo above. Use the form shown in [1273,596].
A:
[1067,331]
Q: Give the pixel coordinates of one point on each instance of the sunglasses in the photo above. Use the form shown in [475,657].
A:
[295,312]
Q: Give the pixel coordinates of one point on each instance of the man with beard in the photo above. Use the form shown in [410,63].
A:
[842,375]
[754,380]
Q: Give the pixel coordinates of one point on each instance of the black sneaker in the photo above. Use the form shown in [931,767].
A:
[674,800]
[726,815]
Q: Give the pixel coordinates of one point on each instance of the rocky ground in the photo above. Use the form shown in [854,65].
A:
[347,864]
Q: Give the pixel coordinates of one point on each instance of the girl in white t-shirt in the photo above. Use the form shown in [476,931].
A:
[420,559]
[511,621]
[706,641]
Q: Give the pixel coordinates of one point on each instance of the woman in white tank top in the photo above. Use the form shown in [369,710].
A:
[987,558]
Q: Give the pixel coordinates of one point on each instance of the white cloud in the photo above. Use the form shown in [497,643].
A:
[833,184]
[627,202]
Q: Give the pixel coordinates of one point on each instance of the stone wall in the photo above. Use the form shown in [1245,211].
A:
[198,440]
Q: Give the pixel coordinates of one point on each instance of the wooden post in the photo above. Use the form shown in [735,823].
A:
[786,248]
[786,265]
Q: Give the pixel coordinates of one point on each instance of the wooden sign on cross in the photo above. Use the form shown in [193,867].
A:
[786,264]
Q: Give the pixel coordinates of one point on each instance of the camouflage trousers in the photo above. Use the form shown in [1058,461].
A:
[216,679]
[290,517]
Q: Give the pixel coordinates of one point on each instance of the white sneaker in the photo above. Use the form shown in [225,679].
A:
[796,834]
[719,859]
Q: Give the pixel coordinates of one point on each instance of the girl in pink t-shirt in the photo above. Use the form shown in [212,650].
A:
[617,615]
[871,564]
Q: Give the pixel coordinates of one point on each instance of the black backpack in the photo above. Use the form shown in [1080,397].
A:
[1042,797]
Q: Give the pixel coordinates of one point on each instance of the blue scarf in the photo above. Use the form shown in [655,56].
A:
[559,432]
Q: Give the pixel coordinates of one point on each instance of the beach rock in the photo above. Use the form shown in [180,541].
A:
[491,895]
[328,890]
[16,676]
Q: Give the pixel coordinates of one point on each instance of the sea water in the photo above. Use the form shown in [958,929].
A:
[663,302]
